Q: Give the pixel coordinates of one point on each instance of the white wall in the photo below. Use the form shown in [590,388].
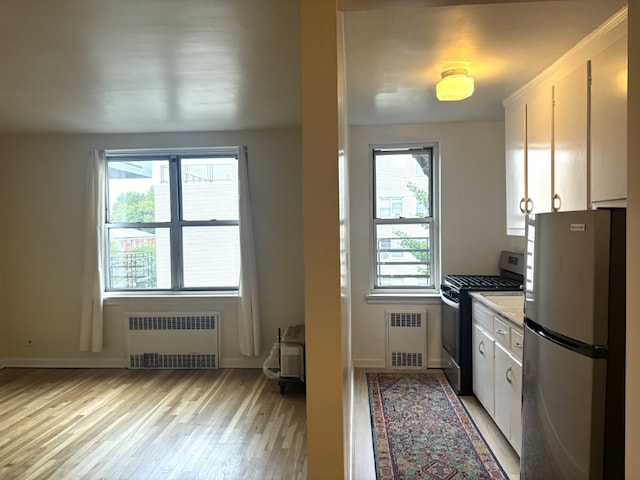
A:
[473,220]
[42,207]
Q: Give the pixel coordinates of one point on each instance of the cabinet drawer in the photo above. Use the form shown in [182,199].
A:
[482,316]
[502,332]
[516,344]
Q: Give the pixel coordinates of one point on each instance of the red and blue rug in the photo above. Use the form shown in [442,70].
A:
[421,430]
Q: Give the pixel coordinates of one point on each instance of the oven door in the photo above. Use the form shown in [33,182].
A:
[451,342]
[451,328]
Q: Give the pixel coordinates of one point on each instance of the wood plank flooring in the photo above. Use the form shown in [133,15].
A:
[89,424]
[149,424]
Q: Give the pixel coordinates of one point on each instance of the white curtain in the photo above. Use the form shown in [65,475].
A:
[248,306]
[91,320]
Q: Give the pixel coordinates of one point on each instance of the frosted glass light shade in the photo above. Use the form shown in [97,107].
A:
[455,85]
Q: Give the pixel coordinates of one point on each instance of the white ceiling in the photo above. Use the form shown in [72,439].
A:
[395,57]
[122,66]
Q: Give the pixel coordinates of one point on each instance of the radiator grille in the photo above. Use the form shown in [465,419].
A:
[406,359]
[173,340]
[406,339]
[406,319]
[157,360]
[173,322]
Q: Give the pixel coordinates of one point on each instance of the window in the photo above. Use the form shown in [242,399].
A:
[390,207]
[172,220]
[404,221]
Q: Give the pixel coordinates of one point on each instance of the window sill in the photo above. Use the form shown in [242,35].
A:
[431,297]
[169,298]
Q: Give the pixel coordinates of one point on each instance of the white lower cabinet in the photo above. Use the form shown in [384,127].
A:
[483,353]
[497,370]
[508,396]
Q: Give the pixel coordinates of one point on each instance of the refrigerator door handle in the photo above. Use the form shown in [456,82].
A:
[591,351]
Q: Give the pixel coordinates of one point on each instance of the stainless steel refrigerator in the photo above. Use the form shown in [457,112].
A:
[574,346]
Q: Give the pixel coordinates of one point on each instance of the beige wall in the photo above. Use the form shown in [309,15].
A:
[345,254]
[326,308]
[42,198]
[633,248]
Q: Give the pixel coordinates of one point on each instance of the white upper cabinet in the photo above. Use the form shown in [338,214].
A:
[609,123]
[539,150]
[570,127]
[515,125]
[566,131]
[528,157]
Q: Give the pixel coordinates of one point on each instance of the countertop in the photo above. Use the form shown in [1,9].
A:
[507,304]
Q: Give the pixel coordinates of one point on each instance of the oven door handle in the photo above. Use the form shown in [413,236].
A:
[451,303]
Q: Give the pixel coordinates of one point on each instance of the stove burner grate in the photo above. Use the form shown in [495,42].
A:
[481,281]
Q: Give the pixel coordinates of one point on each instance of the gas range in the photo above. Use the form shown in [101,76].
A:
[456,315]
[453,284]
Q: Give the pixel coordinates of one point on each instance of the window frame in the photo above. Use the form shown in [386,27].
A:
[433,221]
[176,224]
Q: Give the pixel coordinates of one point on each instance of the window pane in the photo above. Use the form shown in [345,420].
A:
[139,258]
[210,188]
[403,184]
[403,255]
[211,256]
[138,191]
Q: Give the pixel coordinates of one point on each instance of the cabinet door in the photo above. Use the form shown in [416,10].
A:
[508,396]
[609,123]
[570,141]
[539,149]
[482,361]
[516,406]
[514,163]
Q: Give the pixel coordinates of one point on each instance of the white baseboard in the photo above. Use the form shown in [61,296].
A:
[239,362]
[369,363]
[380,363]
[435,363]
[65,362]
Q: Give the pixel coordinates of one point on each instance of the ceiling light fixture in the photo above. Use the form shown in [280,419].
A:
[456,84]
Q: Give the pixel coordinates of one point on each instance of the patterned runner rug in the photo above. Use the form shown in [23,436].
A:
[421,430]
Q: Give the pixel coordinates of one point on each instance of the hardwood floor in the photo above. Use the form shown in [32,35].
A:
[115,424]
[149,424]
[363,455]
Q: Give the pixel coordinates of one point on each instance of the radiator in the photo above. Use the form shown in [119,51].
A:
[173,340]
[406,339]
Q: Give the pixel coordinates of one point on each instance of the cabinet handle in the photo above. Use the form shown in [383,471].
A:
[507,375]
[556,202]
[523,205]
[499,332]
[517,344]
[529,206]
[481,350]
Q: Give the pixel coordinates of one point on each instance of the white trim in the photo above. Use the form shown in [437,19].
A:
[177,300]
[580,52]
[17,362]
[28,362]
[436,216]
[405,299]
[369,363]
[231,149]
[616,203]
[241,362]
[380,363]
